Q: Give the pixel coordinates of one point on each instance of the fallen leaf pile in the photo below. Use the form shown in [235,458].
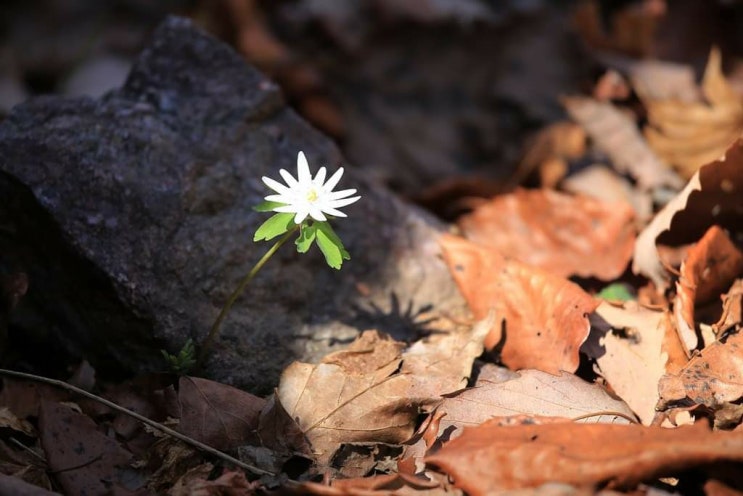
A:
[604,353]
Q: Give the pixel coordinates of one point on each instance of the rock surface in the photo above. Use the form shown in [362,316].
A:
[131,215]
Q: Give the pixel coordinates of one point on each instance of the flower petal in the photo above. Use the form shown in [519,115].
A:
[342,202]
[328,187]
[286,209]
[335,195]
[320,177]
[303,170]
[317,214]
[275,185]
[279,199]
[334,212]
[288,178]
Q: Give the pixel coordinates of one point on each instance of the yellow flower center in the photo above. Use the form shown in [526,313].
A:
[312,195]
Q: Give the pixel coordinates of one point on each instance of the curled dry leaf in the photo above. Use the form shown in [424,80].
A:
[713,196]
[372,392]
[627,343]
[541,319]
[710,267]
[221,416]
[691,134]
[712,378]
[491,458]
[564,234]
[617,135]
[533,393]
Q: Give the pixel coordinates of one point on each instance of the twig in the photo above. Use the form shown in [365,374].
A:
[606,413]
[141,418]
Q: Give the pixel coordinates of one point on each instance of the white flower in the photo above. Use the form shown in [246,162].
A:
[305,196]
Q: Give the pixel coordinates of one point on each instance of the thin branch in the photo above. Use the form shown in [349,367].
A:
[155,425]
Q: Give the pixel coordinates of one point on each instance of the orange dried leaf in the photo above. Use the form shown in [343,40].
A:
[564,234]
[541,319]
[492,458]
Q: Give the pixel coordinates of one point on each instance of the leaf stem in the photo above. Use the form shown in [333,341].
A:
[214,330]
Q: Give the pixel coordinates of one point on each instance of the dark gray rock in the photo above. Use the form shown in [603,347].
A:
[132,217]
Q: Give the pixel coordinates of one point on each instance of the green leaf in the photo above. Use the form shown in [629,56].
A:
[267,206]
[616,292]
[306,237]
[332,253]
[276,225]
[333,237]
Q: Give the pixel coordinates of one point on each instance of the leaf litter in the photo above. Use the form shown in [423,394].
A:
[555,385]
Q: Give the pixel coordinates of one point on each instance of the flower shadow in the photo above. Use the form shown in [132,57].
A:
[403,323]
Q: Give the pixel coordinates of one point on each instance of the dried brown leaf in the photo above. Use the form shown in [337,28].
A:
[532,393]
[564,234]
[602,183]
[541,318]
[711,378]
[691,134]
[713,196]
[627,344]
[491,458]
[83,459]
[710,267]
[216,414]
[372,392]
[617,135]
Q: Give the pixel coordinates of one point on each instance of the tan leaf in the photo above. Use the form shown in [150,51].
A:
[372,392]
[714,195]
[532,393]
[691,134]
[627,344]
[382,485]
[491,458]
[711,378]
[541,319]
[617,135]
[564,234]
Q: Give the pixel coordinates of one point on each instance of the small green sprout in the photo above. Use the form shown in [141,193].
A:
[184,360]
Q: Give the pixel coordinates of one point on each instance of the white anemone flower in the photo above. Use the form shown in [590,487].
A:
[308,196]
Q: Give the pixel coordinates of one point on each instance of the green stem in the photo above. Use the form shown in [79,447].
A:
[207,343]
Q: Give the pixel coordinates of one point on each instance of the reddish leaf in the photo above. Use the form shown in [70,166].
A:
[544,317]
[491,458]
[18,487]
[84,460]
[216,414]
[565,234]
